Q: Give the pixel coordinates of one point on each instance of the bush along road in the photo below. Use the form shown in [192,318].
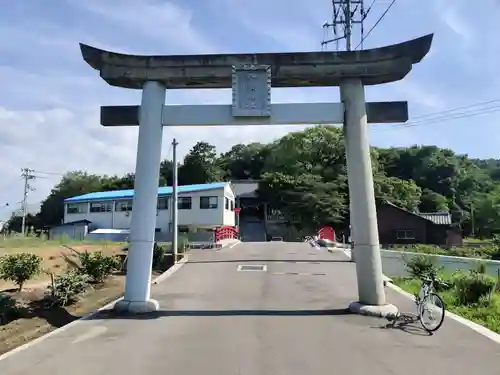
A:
[90,281]
[471,294]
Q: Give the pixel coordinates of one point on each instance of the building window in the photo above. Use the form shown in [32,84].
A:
[180,228]
[124,206]
[76,208]
[208,202]
[232,205]
[101,206]
[162,203]
[227,203]
[405,234]
[184,203]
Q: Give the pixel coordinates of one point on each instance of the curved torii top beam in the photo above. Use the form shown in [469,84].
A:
[297,69]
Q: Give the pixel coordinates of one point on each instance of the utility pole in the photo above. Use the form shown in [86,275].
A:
[346,15]
[175,208]
[27,175]
[348,24]
[472,219]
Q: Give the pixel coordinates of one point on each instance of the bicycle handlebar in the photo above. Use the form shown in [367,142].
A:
[433,279]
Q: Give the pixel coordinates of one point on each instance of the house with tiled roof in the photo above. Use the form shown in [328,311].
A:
[399,226]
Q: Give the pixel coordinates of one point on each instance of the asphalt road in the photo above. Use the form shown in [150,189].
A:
[287,320]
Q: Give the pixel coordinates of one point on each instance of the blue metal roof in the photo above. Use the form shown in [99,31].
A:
[124,194]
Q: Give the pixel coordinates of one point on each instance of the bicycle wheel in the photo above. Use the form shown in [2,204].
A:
[433,305]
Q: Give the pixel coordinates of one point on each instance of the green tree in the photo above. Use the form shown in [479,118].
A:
[403,193]
[304,176]
[20,267]
[166,173]
[200,165]
[243,162]
[305,196]
[72,184]
[432,202]
[487,213]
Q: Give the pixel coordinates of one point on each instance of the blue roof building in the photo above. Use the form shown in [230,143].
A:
[202,206]
[129,193]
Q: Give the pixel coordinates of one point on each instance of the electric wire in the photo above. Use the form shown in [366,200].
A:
[376,24]
[450,114]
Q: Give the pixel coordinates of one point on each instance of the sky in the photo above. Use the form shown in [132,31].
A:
[50,98]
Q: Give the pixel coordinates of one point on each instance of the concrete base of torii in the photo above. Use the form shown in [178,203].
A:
[372,299]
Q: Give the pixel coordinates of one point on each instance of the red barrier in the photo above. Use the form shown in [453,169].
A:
[224,233]
[327,233]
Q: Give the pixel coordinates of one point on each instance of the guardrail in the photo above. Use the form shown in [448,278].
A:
[224,233]
[393,262]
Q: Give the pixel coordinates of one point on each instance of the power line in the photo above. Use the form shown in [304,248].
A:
[363,38]
[457,108]
[450,114]
[458,116]
[453,116]
[49,173]
[345,15]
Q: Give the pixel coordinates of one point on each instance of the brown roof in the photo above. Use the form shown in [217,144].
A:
[438,218]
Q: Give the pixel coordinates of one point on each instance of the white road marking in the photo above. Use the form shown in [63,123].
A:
[90,334]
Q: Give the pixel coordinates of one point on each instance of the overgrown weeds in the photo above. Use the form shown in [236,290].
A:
[472,294]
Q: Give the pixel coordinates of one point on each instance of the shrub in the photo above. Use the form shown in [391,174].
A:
[479,267]
[496,241]
[163,257]
[419,265]
[20,267]
[97,265]
[8,309]
[159,252]
[427,249]
[183,244]
[472,286]
[67,287]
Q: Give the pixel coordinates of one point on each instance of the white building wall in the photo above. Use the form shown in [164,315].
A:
[228,213]
[75,232]
[195,217]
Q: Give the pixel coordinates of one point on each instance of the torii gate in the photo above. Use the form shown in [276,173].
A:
[251,76]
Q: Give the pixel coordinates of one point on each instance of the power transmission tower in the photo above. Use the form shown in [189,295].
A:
[175,208]
[27,175]
[348,16]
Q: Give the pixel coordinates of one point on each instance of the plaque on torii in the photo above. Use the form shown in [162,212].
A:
[251,89]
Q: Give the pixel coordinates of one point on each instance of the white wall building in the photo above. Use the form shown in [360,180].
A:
[200,206]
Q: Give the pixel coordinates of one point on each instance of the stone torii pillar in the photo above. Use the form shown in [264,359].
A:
[250,76]
[362,203]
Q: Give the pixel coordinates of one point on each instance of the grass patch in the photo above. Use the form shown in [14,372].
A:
[18,242]
[486,312]
[490,252]
[476,240]
[56,259]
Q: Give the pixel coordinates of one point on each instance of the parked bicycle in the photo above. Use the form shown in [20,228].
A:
[428,301]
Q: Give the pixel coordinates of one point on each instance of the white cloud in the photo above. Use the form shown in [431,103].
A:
[162,21]
[49,102]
